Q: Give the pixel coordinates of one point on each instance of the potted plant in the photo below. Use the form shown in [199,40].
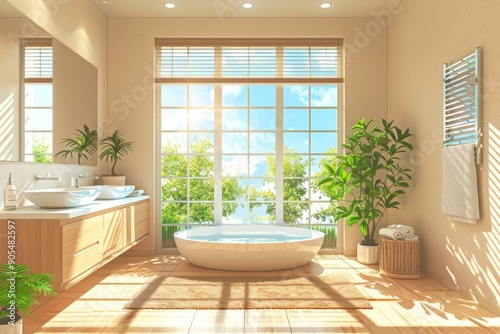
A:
[367,180]
[85,143]
[115,147]
[18,292]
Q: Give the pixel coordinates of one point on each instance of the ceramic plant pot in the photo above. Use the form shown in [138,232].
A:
[6,327]
[367,254]
[113,180]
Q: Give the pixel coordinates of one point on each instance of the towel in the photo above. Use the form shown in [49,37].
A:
[460,195]
[393,233]
[413,238]
[408,231]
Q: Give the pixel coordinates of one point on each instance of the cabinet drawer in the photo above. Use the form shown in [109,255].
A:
[82,246]
[114,232]
[140,221]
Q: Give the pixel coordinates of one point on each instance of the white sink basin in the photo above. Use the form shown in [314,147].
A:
[115,192]
[63,197]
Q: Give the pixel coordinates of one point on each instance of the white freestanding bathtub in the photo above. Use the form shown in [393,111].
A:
[249,247]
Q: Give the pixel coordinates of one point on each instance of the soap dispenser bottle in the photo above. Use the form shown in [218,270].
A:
[9,195]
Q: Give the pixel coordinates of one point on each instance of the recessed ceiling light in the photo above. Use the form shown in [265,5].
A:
[326,5]
[247,5]
[170,5]
[104,2]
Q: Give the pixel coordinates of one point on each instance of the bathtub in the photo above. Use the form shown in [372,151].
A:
[248,247]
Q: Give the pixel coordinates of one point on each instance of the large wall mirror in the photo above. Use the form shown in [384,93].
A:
[73,94]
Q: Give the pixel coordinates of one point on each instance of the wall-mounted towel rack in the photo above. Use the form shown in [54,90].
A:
[462,103]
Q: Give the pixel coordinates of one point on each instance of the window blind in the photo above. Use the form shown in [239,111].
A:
[248,59]
[38,60]
[462,114]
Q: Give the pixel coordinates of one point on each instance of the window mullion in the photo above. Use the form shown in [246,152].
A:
[279,155]
[218,155]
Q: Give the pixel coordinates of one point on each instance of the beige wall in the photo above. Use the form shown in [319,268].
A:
[131,57]
[424,35]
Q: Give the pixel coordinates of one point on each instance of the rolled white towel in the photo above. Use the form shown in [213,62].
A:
[414,238]
[393,233]
[408,231]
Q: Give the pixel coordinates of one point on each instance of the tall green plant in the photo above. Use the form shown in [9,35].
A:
[369,178]
[115,147]
[85,143]
[19,289]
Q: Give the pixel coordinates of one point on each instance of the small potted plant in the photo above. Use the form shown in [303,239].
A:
[18,292]
[83,145]
[115,147]
[367,180]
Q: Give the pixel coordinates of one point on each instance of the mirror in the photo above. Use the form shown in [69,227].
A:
[74,91]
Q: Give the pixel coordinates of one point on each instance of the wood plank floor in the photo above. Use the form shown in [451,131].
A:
[95,305]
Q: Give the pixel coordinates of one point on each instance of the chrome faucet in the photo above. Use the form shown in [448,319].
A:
[86,176]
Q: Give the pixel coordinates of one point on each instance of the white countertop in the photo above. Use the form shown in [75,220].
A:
[35,212]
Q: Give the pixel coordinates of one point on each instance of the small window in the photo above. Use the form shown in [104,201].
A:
[37,108]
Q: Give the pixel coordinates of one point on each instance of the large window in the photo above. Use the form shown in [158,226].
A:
[245,129]
[37,104]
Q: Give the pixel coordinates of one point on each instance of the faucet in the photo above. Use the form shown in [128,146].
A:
[86,176]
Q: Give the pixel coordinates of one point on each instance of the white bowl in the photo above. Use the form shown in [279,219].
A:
[63,197]
[115,192]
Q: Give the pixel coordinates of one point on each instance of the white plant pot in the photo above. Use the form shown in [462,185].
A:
[16,328]
[367,254]
[110,180]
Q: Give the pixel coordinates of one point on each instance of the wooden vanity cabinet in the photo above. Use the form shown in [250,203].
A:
[71,249]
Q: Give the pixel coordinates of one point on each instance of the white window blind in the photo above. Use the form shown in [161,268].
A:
[247,59]
[462,113]
[38,59]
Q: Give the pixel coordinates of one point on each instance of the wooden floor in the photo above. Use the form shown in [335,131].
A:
[399,305]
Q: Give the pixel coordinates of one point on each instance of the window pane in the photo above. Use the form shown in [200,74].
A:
[38,119]
[295,96]
[262,119]
[262,96]
[235,119]
[38,142]
[262,142]
[324,96]
[263,189]
[323,119]
[201,189]
[174,119]
[174,213]
[259,165]
[323,141]
[201,142]
[201,96]
[234,189]
[174,165]
[295,189]
[201,119]
[321,213]
[234,96]
[201,213]
[234,165]
[295,213]
[174,189]
[38,95]
[295,119]
[174,142]
[174,95]
[201,166]
[297,142]
[234,213]
[235,142]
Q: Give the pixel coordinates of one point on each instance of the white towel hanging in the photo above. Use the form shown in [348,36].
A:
[460,199]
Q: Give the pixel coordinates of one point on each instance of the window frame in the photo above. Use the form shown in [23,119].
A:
[219,80]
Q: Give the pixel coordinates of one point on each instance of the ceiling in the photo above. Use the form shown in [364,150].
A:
[233,8]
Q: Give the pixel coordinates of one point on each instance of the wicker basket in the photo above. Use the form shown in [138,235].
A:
[399,258]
